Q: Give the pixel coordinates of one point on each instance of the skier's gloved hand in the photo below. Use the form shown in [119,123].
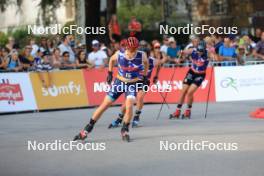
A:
[155,79]
[109,77]
[146,81]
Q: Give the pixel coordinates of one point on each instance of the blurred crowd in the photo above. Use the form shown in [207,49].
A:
[65,53]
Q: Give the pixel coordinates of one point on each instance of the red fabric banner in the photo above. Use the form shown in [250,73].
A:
[96,85]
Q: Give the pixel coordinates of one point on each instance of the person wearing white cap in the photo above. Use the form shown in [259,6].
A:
[194,41]
[173,51]
[97,57]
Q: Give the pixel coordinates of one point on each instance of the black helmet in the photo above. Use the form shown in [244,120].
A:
[201,46]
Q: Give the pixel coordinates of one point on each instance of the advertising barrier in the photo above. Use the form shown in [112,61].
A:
[239,83]
[68,90]
[84,88]
[16,93]
[176,85]
[96,86]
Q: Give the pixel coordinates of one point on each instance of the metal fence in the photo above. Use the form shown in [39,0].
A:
[217,63]
[186,64]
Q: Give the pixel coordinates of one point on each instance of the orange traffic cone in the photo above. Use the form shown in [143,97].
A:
[258,113]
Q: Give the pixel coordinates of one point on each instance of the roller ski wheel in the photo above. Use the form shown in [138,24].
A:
[175,115]
[125,136]
[135,123]
[187,114]
[81,136]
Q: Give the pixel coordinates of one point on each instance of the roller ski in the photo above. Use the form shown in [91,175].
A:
[135,122]
[81,136]
[116,122]
[187,114]
[124,134]
[176,114]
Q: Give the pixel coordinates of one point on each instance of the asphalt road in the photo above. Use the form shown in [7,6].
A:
[226,123]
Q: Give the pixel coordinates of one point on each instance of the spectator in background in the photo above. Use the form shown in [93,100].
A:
[43,65]
[43,44]
[50,45]
[26,59]
[115,46]
[39,55]
[2,61]
[97,57]
[218,41]
[194,42]
[227,53]
[81,61]
[56,58]
[66,63]
[172,51]
[107,51]
[259,49]
[247,43]
[5,54]
[210,48]
[13,63]
[241,55]
[160,57]
[66,47]
[135,28]
[34,47]
[143,44]
[257,37]
[165,44]
[11,43]
[79,47]
[114,29]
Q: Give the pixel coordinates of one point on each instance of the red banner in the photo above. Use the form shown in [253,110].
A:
[10,92]
[96,86]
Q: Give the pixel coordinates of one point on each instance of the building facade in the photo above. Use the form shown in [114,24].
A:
[245,14]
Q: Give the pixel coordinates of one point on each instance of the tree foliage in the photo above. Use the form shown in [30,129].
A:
[46,14]
[146,11]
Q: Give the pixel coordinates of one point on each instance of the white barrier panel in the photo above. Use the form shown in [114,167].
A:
[239,83]
[16,93]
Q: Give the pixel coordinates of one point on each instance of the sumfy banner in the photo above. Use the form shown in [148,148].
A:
[16,93]
[68,90]
[239,83]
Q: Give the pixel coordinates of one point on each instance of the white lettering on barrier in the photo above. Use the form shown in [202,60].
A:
[55,91]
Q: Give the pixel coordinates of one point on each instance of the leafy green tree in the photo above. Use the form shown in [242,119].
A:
[146,11]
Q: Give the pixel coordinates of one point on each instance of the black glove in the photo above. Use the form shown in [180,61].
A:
[155,79]
[146,81]
[109,77]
